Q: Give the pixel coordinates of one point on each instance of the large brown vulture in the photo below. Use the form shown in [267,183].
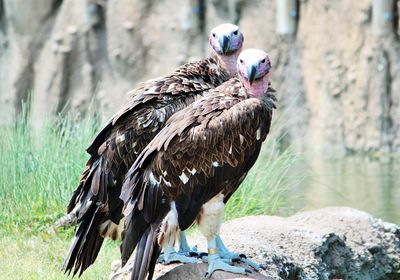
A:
[96,202]
[195,164]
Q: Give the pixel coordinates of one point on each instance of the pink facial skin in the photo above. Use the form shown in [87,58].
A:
[253,67]
[230,61]
[226,41]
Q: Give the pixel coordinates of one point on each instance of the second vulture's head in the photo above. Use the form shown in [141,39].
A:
[226,39]
[253,67]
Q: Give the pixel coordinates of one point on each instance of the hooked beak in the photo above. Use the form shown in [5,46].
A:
[224,43]
[251,73]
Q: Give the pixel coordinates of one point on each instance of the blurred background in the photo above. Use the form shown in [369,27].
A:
[337,63]
[336,66]
[335,139]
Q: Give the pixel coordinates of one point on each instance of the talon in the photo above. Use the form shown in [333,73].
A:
[216,263]
[263,267]
[226,254]
[247,270]
[193,254]
[175,257]
[203,255]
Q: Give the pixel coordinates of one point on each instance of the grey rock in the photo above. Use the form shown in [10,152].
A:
[328,243]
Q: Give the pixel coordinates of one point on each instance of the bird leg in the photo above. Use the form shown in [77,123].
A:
[226,254]
[168,234]
[184,255]
[209,221]
[171,256]
[184,248]
[215,262]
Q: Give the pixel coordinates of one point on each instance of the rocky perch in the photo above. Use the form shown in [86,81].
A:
[328,243]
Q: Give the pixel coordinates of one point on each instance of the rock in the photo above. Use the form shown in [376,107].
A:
[197,271]
[187,272]
[329,243]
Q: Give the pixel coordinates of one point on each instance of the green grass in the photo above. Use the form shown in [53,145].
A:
[41,256]
[264,189]
[39,169]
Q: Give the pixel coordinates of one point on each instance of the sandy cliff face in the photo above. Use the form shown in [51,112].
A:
[339,80]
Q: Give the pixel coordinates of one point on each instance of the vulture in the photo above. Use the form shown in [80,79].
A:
[194,164]
[95,203]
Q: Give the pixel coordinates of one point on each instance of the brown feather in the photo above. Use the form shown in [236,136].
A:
[117,146]
[204,149]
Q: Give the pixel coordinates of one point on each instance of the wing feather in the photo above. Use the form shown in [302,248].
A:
[117,145]
[201,147]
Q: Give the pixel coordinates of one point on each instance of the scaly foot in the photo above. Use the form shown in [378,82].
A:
[184,248]
[205,258]
[175,257]
[171,256]
[224,253]
[216,263]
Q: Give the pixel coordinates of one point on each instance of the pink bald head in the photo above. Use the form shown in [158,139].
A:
[253,66]
[226,41]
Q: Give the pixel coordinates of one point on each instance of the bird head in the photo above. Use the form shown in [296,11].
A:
[253,67]
[226,39]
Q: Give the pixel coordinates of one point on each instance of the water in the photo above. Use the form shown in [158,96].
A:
[369,185]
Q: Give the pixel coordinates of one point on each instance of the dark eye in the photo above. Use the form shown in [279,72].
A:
[235,32]
[213,35]
[241,61]
[263,61]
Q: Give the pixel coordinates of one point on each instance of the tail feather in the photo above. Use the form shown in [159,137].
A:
[86,245]
[153,260]
[99,200]
[144,209]
[135,227]
[81,190]
[90,247]
[139,233]
[146,254]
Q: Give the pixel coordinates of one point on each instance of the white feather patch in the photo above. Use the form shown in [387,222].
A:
[171,87]
[241,137]
[161,115]
[258,134]
[167,183]
[120,138]
[215,164]
[193,171]
[230,149]
[153,179]
[184,178]
[151,90]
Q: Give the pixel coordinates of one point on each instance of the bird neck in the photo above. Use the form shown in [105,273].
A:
[258,87]
[229,62]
